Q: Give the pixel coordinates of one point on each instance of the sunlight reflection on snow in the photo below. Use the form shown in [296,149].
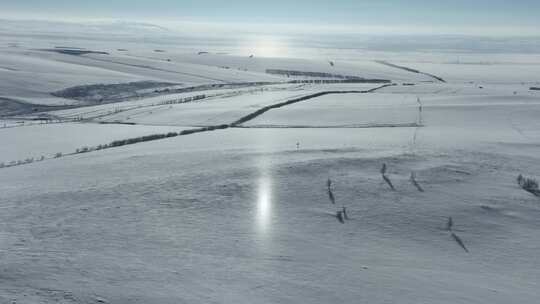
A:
[264,204]
[265,46]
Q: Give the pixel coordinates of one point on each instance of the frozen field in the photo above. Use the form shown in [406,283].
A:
[242,214]
[350,110]
[215,111]
[35,141]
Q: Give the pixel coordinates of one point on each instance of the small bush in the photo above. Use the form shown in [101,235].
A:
[383,169]
[58,155]
[528,184]
[82,150]
[449,224]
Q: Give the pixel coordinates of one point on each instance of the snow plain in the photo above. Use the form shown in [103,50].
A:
[46,140]
[242,214]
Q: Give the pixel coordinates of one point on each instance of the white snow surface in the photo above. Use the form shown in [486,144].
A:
[242,215]
[46,140]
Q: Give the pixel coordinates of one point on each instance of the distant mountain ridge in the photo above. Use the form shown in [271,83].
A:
[89,27]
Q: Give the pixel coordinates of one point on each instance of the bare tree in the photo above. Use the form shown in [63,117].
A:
[331,196]
[460,242]
[386,178]
[449,224]
[415,182]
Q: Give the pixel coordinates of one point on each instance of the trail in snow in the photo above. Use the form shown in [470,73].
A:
[409,70]
[300,99]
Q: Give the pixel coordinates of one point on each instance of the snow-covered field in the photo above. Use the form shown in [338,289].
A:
[214,111]
[361,110]
[46,140]
[243,214]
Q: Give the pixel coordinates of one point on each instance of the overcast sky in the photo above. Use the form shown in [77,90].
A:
[498,15]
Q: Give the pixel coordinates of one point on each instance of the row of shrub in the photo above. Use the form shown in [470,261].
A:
[184,100]
[330,81]
[130,141]
[117,143]
[21,162]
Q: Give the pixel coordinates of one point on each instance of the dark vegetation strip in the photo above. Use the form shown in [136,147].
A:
[135,140]
[73,51]
[11,107]
[409,69]
[84,92]
[295,73]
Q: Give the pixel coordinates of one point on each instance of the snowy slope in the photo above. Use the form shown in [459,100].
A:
[243,215]
[46,140]
[349,110]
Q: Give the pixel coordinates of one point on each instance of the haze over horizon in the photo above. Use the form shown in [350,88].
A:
[389,16]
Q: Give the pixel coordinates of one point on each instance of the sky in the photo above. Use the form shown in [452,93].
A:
[518,16]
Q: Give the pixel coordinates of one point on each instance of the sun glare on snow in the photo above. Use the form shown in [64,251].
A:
[266,47]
